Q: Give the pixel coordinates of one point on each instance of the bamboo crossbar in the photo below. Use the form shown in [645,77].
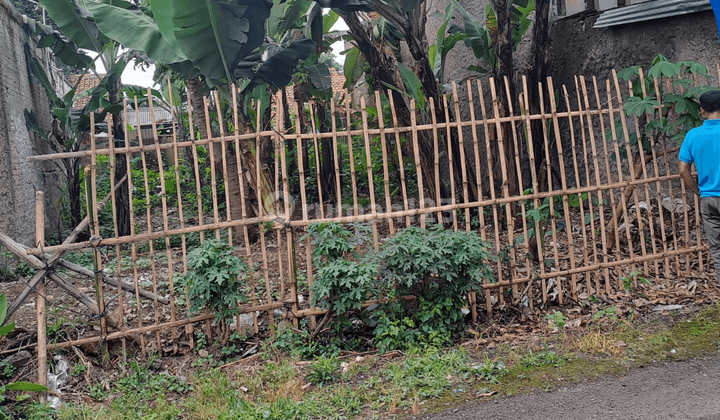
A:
[489,168]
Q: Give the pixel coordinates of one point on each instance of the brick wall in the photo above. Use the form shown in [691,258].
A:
[20,179]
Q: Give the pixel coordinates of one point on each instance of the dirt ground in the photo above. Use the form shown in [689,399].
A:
[672,390]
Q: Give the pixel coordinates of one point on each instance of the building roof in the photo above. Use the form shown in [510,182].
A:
[144,116]
[88,81]
[655,9]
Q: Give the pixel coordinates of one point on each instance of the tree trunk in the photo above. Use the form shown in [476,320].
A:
[327,163]
[385,69]
[538,74]
[122,194]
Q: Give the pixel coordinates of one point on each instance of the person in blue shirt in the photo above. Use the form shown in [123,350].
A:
[702,147]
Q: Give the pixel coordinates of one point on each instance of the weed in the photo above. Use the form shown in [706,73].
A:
[610,312]
[324,371]
[558,319]
[545,358]
[489,370]
[632,278]
[78,369]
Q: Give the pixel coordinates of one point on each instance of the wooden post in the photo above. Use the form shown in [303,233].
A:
[40,293]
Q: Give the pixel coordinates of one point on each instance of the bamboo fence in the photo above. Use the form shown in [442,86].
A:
[613,212]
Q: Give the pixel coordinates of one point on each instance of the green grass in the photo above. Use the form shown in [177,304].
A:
[394,384]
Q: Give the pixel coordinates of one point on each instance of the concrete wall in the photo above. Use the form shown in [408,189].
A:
[595,52]
[20,179]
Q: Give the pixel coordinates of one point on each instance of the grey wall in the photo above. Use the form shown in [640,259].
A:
[20,179]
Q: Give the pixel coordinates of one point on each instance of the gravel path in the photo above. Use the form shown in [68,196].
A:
[673,390]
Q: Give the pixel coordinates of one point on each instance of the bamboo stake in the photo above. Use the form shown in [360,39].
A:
[463,169]
[398,147]
[92,211]
[243,209]
[166,223]
[118,251]
[317,162]
[198,187]
[548,165]
[563,181]
[338,186]
[226,177]
[418,162]
[601,200]
[148,213]
[40,294]
[436,149]
[506,191]
[386,170]
[213,175]
[578,182]
[351,156]
[371,183]
[451,168]
[488,156]
[478,169]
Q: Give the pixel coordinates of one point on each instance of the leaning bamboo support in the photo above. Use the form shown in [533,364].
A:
[118,250]
[418,161]
[316,148]
[336,153]
[436,155]
[351,155]
[476,150]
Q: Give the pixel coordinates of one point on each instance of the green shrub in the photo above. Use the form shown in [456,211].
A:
[215,280]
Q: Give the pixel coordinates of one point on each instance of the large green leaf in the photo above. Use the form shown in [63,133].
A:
[412,85]
[291,19]
[134,30]
[320,76]
[63,49]
[217,34]
[163,14]
[353,68]
[37,72]
[3,307]
[76,24]
[97,98]
[278,69]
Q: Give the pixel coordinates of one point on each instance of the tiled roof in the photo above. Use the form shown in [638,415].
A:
[88,81]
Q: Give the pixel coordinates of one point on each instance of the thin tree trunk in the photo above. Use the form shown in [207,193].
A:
[122,194]
[538,74]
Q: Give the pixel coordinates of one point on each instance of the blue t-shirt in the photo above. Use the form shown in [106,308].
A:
[702,146]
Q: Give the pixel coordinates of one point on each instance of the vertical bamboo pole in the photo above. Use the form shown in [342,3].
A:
[621,177]
[368,161]
[148,214]
[133,244]
[478,169]
[213,175]
[596,158]
[243,209]
[166,223]
[338,186]
[92,211]
[181,216]
[351,156]
[398,147]
[118,249]
[451,168]
[40,294]
[198,187]
[226,178]
[563,183]
[418,162]
[668,171]
[463,169]
[496,225]
[551,201]
[317,161]
[386,170]
[506,190]
[578,184]
[436,149]
[536,189]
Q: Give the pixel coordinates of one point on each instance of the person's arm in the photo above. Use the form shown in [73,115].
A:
[686,175]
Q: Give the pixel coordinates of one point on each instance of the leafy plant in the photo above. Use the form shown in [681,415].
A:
[628,281]
[545,358]
[324,370]
[558,319]
[215,281]
[6,329]
[610,312]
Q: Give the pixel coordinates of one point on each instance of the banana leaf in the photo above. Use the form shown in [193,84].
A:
[278,69]
[76,24]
